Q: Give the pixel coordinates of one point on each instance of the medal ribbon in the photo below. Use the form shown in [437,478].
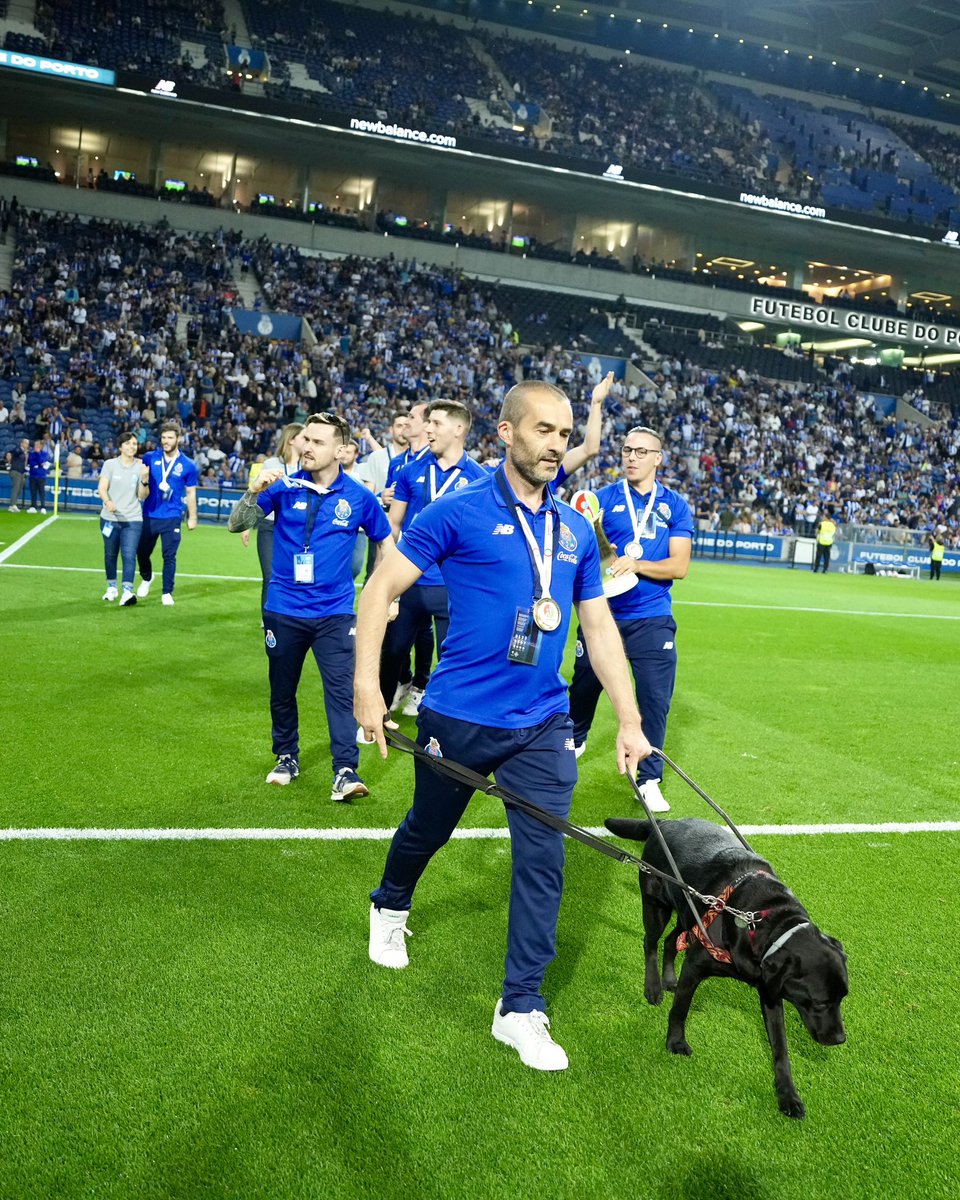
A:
[542,563]
[446,483]
[639,526]
[166,469]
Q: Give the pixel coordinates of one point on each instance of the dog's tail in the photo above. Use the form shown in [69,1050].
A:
[629,827]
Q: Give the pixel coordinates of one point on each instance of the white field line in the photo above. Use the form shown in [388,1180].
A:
[837,612]
[54,834]
[99,571]
[834,612]
[31,533]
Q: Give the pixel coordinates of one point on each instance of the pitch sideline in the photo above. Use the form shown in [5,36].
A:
[22,541]
[214,834]
[785,608]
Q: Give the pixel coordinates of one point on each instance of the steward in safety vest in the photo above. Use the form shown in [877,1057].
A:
[826,532]
[937,544]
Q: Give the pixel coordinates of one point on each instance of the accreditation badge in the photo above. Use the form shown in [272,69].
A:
[524,645]
[303,568]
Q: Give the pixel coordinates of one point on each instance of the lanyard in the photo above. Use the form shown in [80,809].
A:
[542,563]
[639,527]
[434,494]
[315,505]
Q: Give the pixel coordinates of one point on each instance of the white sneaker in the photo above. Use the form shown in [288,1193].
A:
[167,599]
[656,801]
[111,593]
[14,508]
[578,750]
[388,928]
[287,768]
[143,591]
[347,785]
[31,509]
[529,1034]
[400,695]
[412,705]
[127,598]
[43,512]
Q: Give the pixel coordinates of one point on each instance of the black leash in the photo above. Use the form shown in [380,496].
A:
[480,783]
[703,796]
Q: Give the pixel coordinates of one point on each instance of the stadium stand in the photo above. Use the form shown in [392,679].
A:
[417,70]
[119,326]
[844,159]
[139,34]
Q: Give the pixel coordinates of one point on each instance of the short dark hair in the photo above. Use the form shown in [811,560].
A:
[126,437]
[514,402]
[454,410]
[169,427]
[338,424]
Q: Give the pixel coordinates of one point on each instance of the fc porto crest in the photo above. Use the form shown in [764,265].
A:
[343,510]
[567,540]
[664,510]
[271,639]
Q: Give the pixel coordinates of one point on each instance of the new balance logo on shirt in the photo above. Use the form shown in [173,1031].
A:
[503,528]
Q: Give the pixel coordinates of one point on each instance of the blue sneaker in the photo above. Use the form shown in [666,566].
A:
[287,768]
[347,785]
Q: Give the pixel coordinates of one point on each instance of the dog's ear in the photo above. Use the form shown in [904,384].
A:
[832,941]
[629,827]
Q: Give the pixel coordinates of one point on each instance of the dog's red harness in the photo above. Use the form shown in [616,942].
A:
[717,953]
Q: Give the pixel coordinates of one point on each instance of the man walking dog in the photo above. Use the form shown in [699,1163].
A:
[514,561]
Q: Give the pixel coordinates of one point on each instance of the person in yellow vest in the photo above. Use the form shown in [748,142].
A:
[826,532]
[937,543]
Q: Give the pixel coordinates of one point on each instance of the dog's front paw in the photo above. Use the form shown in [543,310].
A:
[653,993]
[792,1106]
[679,1045]
[669,981]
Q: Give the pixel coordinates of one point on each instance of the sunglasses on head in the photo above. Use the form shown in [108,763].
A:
[329,419]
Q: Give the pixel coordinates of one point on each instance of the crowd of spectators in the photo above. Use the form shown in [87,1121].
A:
[137,35]
[109,327]
[639,115]
[762,458]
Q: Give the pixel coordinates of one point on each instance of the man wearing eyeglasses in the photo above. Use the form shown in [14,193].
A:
[652,529]
[319,512]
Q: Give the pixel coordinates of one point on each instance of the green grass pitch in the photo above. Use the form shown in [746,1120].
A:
[199,1018]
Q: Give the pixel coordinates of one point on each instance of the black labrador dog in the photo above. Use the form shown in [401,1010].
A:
[784,956]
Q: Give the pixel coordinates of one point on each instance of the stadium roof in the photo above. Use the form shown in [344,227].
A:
[916,40]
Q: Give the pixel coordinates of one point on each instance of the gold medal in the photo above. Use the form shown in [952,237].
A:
[546,614]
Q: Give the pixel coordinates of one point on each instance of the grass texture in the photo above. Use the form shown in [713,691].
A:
[199,1019]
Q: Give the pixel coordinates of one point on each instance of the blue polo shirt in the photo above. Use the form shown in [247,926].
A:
[338,515]
[404,459]
[485,563]
[670,517]
[413,488]
[39,463]
[183,475]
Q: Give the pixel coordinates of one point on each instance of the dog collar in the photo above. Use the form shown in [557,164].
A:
[782,940]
